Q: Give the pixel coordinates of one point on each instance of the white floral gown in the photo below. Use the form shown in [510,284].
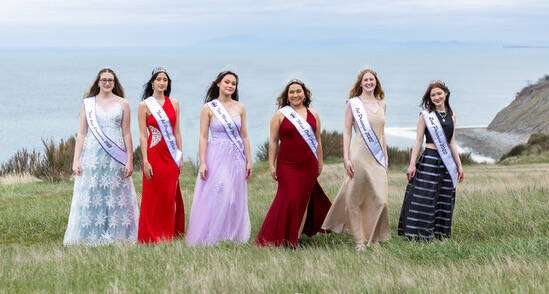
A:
[104,205]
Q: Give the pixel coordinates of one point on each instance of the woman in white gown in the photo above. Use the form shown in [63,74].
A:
[104,206]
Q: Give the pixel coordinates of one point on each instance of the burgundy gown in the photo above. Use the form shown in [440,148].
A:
[162,214]
[297,172]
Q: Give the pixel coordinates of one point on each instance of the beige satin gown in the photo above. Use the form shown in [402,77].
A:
[360,208]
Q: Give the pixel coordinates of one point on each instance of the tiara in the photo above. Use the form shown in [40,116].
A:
[106,68]
[159,69]
[296,81]
[437,82]
[367,68]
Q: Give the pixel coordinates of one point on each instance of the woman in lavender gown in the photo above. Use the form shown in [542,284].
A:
[220,206]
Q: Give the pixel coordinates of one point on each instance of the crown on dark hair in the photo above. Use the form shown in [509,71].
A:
[437,82]
[159,69]
[296,81]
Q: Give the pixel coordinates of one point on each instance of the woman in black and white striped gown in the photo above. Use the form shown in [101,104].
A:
[430,194]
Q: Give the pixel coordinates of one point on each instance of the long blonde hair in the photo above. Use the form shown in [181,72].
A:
[356,90]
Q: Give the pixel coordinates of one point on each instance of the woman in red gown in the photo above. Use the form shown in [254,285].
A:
[300,205]
[162,214]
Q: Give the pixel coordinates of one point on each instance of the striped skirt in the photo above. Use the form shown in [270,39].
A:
[429,200]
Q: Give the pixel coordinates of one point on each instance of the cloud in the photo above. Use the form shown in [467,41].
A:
[195,21]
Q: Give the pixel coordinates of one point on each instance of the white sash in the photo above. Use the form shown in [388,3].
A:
[439,139]
[368,134]
[165,128]
[116,152]
[302,127]
[230,127]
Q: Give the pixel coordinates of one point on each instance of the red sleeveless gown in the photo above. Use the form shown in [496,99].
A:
[162,215]
[297,171]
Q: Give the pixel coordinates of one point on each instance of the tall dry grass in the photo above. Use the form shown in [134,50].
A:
[57,161]
[54,164]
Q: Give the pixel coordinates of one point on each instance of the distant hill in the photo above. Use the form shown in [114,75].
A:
[528,113]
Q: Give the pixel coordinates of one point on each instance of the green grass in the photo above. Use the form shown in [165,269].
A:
[500,244]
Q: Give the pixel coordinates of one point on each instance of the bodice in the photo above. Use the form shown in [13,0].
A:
[217,131]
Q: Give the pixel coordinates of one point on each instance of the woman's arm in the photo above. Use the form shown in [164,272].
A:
[203,140]
[246,141]
[127,135]
[347,135]
[455,153]
[177,131]
[142,121]
[384,140]
[417,146]
[273,142]
[80,136]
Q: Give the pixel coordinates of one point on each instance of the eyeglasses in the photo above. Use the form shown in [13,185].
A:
[104,81]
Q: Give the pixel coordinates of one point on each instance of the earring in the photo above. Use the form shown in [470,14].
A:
[152,87]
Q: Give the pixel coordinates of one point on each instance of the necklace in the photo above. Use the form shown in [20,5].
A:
[442,116]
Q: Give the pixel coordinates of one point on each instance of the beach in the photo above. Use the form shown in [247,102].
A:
[488,143]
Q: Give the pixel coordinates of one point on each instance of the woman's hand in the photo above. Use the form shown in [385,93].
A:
[411,172]
[248,170]
[128,169]
[319,170]
[76,168]
[460,174]
[181,166]
[147,170]
[203,171]
[273,173]
[349,168]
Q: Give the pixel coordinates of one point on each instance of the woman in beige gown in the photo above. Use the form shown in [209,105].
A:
[360,207]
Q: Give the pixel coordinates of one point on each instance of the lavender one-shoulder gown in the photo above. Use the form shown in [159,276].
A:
[220,205]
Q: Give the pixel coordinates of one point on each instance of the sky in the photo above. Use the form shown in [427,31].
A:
[192,23]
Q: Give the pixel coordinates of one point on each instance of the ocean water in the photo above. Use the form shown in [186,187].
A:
[42,88]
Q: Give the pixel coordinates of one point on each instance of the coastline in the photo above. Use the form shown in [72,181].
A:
[488,143]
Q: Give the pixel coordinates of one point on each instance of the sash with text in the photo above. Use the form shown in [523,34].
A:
[116,152]
[165,128]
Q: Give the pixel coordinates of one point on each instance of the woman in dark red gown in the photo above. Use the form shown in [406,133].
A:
[162,214]
[300,205]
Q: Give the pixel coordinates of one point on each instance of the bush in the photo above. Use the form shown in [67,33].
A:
[466,158]
[54,165]
[332,144]
[57,161]
[137,159]
[262,153]
[22,162]
[398,156]
[536,145]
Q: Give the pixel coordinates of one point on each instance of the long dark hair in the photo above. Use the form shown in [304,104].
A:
[282,99]
[213,91]
[356,90]
[426,102]
[147,88]
[94,88]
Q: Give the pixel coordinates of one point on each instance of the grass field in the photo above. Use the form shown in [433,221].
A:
[500,244]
